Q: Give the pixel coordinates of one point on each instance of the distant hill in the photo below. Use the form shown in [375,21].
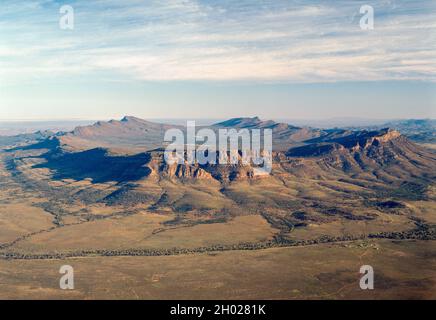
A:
[418,130]
[284,135]
[24,138]
[423,130]
[20,127]
[128,135]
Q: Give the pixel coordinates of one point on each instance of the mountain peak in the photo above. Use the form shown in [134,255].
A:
[239,122]
[388,134]
[130,118]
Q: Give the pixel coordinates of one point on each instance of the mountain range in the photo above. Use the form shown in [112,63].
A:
[129,152]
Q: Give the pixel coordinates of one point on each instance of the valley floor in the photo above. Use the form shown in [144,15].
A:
[403,270]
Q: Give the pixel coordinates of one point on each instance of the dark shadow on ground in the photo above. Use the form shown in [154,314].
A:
[98,165]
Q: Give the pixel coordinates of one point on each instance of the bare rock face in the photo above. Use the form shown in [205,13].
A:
[390,135]
[221,173]
[185,171]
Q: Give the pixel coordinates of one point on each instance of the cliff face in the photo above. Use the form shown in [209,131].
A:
[221,173]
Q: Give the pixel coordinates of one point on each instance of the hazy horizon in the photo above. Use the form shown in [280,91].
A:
[20,126]
[104,118]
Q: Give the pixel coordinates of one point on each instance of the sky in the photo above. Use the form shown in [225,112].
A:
[217,59]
